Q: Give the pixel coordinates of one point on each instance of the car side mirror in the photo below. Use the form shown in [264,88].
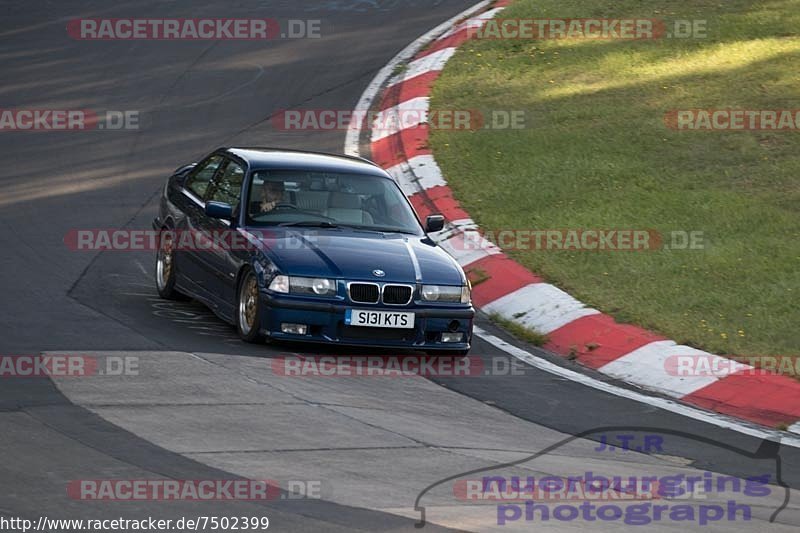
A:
[434,223]
[219,210]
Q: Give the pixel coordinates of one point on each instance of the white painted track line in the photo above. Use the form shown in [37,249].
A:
[672,406]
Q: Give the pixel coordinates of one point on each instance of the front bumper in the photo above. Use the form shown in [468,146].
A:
[325,322]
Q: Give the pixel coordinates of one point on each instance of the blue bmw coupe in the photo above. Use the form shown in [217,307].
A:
[302,246]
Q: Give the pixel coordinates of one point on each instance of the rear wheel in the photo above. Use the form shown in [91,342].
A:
[165,266]
[248,309]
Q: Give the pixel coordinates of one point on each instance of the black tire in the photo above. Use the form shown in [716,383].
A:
[166,273]
[248,309]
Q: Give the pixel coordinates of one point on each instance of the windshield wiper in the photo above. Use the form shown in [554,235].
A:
[391,230]
[310,224]
[356,227]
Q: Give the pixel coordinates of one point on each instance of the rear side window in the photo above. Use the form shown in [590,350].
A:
[201,176]
[227,186]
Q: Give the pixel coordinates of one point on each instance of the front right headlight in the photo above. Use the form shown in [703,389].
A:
[305,286]
[312,286]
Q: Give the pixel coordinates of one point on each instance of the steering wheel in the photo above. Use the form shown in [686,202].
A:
[285,206]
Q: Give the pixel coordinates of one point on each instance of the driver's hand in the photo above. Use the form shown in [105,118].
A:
[268,206]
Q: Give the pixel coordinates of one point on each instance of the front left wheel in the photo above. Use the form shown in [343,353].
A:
[249,309]
[165,266]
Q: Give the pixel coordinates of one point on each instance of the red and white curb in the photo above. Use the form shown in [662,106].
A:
[625,352]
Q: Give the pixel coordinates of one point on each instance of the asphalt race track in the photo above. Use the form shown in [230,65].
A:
[204,405]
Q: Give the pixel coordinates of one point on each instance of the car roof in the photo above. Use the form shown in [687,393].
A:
[278,158]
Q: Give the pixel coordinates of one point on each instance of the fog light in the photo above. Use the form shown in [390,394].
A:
[452,337]
[294,329]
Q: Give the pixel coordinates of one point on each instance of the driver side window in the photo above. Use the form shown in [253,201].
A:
[201,176]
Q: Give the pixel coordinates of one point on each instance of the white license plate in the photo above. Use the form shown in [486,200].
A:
[379,319]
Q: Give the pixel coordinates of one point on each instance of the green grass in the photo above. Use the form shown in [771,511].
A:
[519,331]
[597,154]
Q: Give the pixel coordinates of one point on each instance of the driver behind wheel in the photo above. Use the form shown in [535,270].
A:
[271,196]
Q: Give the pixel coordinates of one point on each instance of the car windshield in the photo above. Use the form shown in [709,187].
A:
[325,199]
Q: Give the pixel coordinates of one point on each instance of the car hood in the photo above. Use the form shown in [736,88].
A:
[354,255]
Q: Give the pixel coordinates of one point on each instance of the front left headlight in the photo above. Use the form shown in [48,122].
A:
[446,293]
[466,293]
